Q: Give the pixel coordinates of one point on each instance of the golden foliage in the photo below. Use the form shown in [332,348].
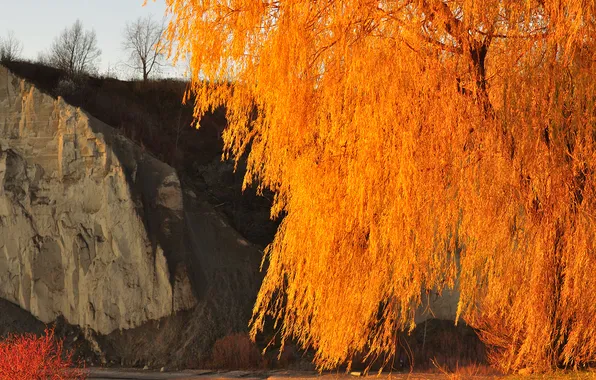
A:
[409,144]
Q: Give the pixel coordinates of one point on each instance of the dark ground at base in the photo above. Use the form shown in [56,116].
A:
[124,374]
[15,320]
[443,343]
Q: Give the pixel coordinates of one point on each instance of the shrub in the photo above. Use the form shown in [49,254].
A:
[34,357]
[236,351]
[66,87]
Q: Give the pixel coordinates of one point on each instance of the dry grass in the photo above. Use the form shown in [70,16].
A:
[562,375]
[468,371]
[485,372]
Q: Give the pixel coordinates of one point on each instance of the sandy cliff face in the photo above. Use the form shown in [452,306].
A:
[91,227]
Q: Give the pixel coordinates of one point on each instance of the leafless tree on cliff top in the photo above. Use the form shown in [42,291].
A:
[142,39]
[10,48]
[75,50]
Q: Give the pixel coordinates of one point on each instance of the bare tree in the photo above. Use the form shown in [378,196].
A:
[142,40]
[75,50]
[10,48]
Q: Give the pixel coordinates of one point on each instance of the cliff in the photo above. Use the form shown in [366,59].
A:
[96,230]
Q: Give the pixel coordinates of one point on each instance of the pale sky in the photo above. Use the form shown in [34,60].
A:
[36,22]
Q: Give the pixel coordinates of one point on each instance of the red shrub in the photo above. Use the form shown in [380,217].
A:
[236,351]
[30,357]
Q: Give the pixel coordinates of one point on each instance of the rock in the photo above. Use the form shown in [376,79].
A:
[95,229]
[81,209]
[437,305]
[145,368]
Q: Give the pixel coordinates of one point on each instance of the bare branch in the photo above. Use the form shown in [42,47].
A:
[75,50]
[10,48]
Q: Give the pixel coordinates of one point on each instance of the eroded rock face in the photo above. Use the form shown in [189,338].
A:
[91,227]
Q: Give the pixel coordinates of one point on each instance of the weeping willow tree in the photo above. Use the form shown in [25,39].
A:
[413,145]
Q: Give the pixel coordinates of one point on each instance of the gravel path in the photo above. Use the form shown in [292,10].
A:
[121,374]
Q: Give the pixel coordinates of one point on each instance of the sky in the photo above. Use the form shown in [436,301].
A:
[37,22]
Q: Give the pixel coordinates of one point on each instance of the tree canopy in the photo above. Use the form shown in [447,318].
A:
[142,41]
[413,145]
[75,50]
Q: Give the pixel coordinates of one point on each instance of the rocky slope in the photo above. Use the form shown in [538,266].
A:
[96,230]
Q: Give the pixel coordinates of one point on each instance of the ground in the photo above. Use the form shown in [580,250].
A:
[99,374]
